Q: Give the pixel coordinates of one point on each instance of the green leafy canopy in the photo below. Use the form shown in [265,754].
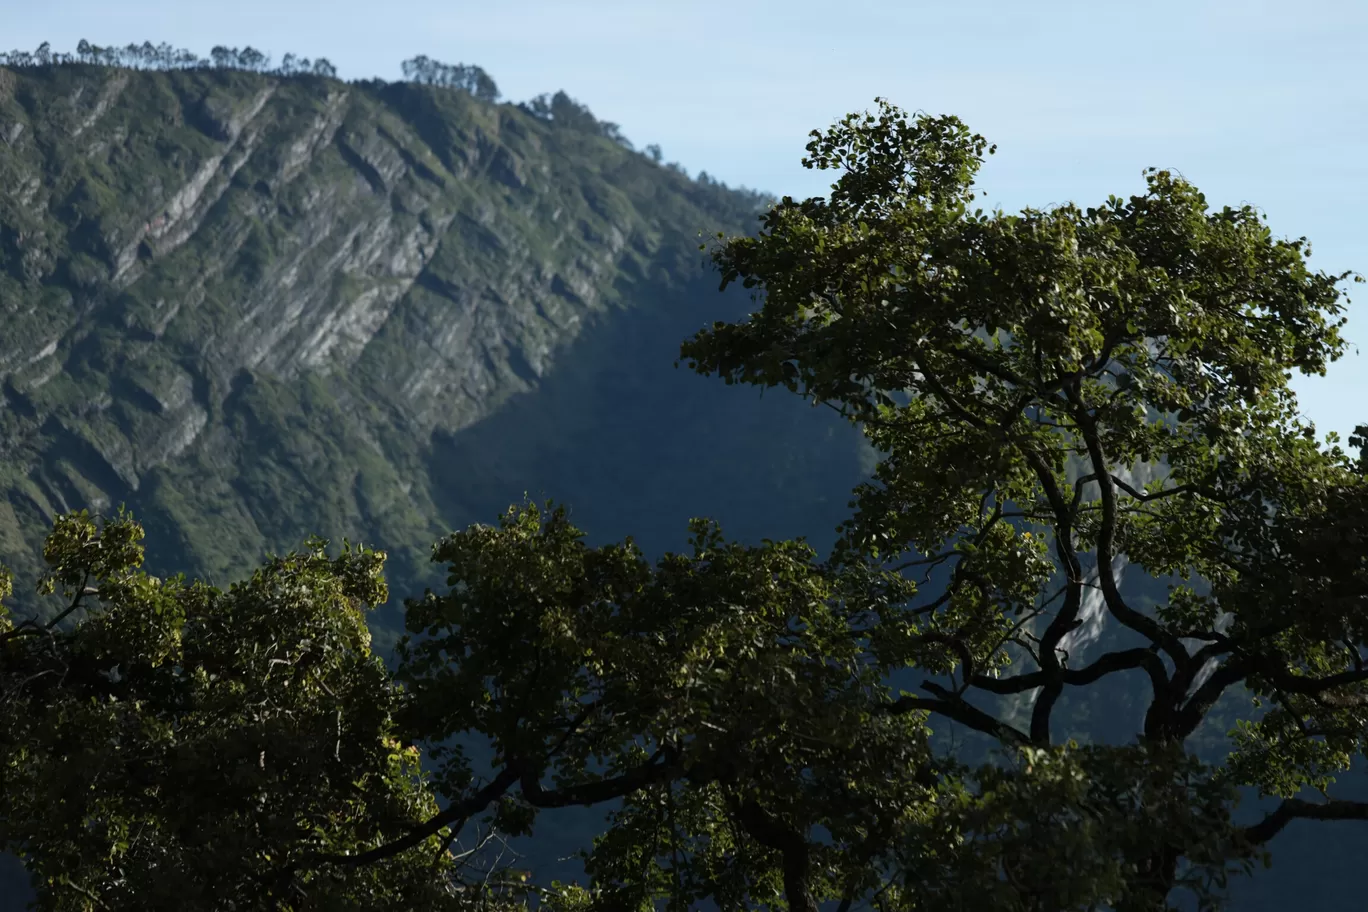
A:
[180,747]
[1050,393]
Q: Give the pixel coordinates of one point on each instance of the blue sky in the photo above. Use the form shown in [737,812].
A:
[1257,102]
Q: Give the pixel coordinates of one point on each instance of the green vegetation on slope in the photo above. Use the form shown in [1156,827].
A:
[736,708]
[254,307]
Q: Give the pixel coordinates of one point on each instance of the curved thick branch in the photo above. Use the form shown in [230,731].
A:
[1241,667]
[1296,809]
[1112,662]
[1307,685]
[1106,552]
[774,834]
[662,766]
[1051,669]
[952,706]
[1191,714]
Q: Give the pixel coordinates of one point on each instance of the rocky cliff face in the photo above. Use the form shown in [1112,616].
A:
[254,308]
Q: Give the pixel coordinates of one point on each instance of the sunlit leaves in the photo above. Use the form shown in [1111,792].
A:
[1055,390]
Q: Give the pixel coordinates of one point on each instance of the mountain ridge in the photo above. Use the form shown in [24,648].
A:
[196,258]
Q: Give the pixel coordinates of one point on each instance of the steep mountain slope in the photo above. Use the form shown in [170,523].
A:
[254,308]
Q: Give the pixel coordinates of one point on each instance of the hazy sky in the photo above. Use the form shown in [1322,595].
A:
[1258,102]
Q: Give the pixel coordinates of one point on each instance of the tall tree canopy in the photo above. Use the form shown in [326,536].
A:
[1049,392]
[1018,374]
[187,748]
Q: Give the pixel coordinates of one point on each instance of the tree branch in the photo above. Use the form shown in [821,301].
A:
[774,834]
[1161,711]
[1124,660]
[1067,617]
[661,766]
[1306,685]
[952,706]
[455,815]
[1157,495]
[1295,808]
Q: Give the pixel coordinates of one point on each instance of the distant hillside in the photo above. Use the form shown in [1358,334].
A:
[255,307]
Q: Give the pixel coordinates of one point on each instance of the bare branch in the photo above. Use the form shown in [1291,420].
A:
[952,706]
[663,765]
[1297,809]
[1124,660]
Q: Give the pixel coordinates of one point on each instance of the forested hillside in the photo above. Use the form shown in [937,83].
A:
[255,307]
[256,304]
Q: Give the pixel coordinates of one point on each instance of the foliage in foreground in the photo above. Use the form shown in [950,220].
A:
[745,704]
[187,748]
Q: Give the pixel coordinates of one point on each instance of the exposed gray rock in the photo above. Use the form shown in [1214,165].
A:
[111,90]
[207,322]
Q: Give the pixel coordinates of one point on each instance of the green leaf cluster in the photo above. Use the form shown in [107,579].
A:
[167,745]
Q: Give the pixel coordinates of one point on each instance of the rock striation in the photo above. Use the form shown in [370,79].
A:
[255,307]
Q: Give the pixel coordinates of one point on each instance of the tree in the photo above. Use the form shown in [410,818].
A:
[750,705]
[473,79]
[482,85]
[766,719]
[614,132]
[695,683]
[251,59]
[563,111]
[182,747]
[1045,357]
[417,68]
